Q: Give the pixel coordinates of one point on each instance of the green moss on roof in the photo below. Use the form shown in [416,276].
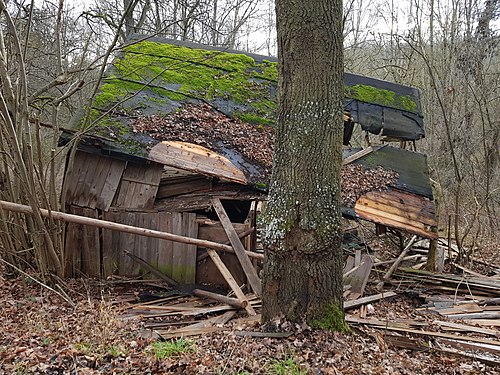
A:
[180,72]
[370,94]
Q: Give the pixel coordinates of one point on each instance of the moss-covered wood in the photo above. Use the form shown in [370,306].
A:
[302,273]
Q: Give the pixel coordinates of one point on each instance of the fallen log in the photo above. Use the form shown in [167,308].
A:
[71,218]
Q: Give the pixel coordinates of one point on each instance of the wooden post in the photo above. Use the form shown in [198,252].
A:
[230,280]
[56,215]
[239,249]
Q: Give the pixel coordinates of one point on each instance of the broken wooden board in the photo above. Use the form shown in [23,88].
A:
[246,264]
[196,158]
[358,278]
[209,325]
[485,286]
[138,186]
[401,210]
[368,299]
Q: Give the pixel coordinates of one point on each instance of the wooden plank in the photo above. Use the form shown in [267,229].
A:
[368,299]
[187,332]
[127,242]
[479,315]
[76,179]
[404,200]
[358,279]
[358,155]
[230,280]
[178,256]
[90,246]
[72,260]
[475,347]
[110,257]
[165,248]
[191,230]
[349,264]
[97,181]
[362,207]
[216,233]
[139,186]
[93,181]
[246,264]
[467,328]
[196,158]
[424,232]
[460,309]
[409,213]
[173,187]
[383,325]
[484,322]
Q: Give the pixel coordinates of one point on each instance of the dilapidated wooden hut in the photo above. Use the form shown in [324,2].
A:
[179,139]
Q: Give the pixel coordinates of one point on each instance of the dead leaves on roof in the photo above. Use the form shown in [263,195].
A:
[204,126]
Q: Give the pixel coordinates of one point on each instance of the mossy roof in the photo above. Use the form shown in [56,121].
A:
[157,76]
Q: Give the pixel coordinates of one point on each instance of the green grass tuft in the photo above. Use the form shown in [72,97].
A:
[286,366]
[167,349]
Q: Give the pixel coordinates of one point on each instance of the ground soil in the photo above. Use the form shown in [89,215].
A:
[40,333]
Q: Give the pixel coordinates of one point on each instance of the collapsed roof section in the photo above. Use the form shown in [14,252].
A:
[155,77]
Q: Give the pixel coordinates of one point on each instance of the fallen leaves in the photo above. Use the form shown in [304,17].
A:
[204,126]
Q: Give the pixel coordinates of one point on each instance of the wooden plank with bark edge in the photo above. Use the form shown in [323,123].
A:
[246,264]
[230,280]
[361,301]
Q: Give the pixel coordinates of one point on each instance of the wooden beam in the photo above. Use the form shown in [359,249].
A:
[230,280]
[358,155]
[246,264]
[361,301]
[56,215]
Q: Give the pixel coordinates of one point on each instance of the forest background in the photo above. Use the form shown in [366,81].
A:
[54,53]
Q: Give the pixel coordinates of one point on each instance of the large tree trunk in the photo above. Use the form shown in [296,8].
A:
[302,272]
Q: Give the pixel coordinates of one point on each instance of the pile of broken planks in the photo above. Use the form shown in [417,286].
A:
[460,316]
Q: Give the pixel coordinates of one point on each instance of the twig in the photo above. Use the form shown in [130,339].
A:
[66,298]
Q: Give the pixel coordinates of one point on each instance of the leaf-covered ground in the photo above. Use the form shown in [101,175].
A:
[41,334]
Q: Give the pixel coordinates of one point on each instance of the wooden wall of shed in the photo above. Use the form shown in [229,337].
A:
[93,180]
[175,260]
[102,182]
[82,246]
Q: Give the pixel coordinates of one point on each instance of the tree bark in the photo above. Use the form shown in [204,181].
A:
[302,275]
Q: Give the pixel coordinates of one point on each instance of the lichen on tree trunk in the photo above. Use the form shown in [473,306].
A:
[302,272]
